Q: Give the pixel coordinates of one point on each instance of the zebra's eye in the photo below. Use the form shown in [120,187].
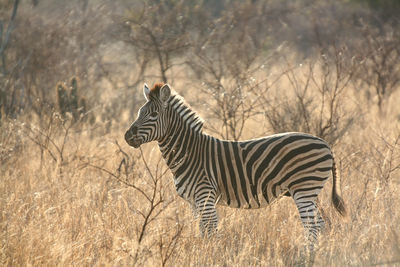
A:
[154,114]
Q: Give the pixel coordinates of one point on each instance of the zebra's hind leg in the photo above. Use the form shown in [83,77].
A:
[310,217]
[313,224]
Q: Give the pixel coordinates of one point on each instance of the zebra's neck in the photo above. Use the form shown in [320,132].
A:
[180,147]
[184,135]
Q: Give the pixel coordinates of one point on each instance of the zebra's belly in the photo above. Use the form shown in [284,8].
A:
[251,202]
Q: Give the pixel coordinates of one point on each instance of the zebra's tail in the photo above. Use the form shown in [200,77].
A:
[337,200]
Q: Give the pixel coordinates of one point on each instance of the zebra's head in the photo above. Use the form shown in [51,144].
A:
[150,124]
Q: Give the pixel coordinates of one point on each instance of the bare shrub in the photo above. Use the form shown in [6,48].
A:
[158,30]
[33,84]
[385,156]
[236,104]
[154,203]
[226,61]
[317,106]
[47,135]
[379,55]
[374,168]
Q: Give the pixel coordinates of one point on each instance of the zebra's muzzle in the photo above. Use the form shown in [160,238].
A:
[133,140]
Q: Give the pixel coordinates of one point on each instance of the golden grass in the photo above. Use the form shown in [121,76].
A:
[75,213]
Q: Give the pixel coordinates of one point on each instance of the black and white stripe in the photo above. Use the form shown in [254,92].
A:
[247,174]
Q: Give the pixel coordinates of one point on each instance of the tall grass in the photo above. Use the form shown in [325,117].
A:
[102,202]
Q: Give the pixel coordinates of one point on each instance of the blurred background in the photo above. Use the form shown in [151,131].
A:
[71,77]
[112,47]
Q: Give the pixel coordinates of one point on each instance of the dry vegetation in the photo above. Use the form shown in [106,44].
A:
[72,192]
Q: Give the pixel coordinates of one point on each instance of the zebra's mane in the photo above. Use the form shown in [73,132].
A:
[189,116]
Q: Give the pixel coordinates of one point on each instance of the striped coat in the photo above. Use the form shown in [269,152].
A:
[245,174]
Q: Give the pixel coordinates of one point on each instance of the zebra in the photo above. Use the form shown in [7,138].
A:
[247,174]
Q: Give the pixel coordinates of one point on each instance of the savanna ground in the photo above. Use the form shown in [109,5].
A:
[72,192]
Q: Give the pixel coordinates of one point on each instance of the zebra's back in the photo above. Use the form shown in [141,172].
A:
[254,173]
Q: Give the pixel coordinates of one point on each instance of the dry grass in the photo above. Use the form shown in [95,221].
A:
[90,207]
[73,193]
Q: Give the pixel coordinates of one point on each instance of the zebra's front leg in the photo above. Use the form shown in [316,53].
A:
[206,211]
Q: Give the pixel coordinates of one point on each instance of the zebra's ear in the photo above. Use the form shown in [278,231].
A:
[146,92]
[165,93]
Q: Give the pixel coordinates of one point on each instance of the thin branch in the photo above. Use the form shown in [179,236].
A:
[117,178]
